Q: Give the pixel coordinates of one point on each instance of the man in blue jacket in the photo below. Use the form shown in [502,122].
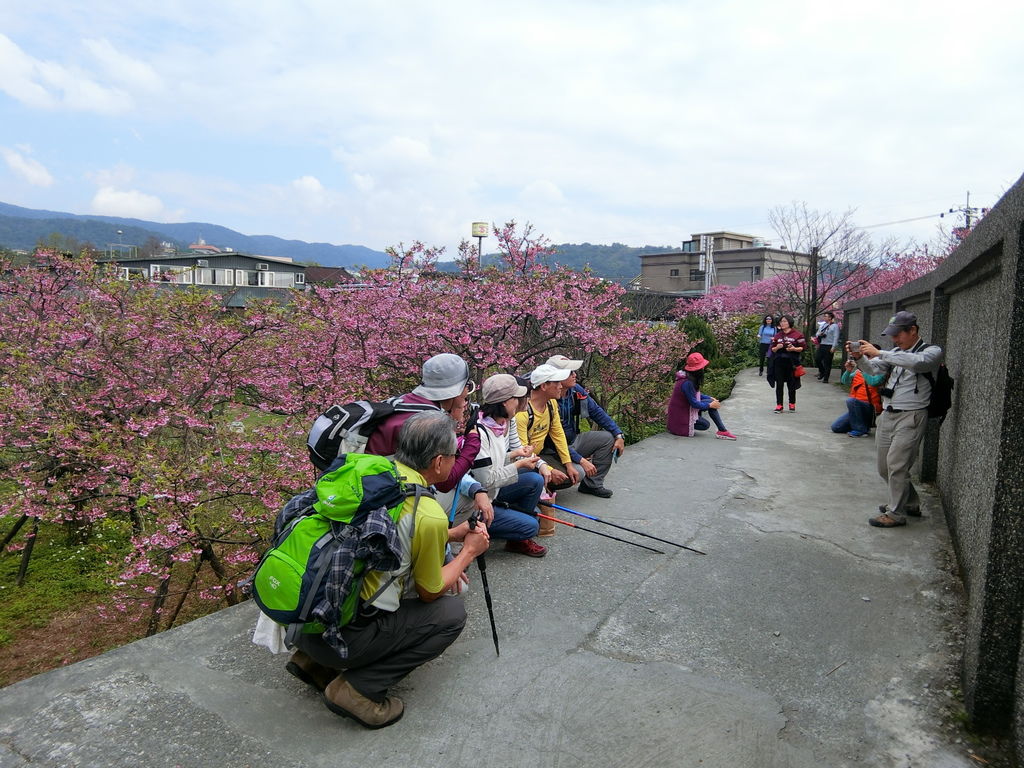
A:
[592,450]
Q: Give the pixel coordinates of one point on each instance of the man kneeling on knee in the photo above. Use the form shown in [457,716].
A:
[414,619]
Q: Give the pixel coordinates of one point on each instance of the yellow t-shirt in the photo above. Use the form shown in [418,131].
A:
[423,538]
[543,426]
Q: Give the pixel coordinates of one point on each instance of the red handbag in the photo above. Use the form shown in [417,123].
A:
[799,371]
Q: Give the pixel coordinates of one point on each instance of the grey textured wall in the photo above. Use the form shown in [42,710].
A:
[973,306]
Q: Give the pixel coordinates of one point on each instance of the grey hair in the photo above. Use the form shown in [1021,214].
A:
[424,436]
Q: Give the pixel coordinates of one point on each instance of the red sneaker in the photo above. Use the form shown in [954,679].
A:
[527,547]
[792,406]
[778,409]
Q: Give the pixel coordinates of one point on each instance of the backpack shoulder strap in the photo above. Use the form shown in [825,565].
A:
[927,374]
[416,490]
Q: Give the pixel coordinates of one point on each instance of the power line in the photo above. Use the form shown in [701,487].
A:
[903,221]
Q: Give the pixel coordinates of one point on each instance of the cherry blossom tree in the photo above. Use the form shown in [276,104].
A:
[154,405]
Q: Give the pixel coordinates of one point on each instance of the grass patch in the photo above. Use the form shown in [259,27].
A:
[61,576]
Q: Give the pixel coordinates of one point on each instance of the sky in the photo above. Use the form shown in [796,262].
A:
[380,123]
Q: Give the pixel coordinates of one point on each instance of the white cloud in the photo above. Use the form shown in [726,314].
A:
[542,192]
[29,169]
[128,203]
[310,193]
[46,84]
[17,71]
[123,68]
[634,122]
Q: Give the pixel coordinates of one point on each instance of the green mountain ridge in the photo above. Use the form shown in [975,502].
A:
[23,228]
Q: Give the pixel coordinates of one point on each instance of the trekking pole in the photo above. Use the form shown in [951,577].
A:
[621,527]
[482,563]
[606,535]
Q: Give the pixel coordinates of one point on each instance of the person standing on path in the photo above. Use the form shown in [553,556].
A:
[765,334]
[787,345]
[908,367]
[828,340]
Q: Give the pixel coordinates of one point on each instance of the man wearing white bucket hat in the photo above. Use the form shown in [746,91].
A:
[592,451]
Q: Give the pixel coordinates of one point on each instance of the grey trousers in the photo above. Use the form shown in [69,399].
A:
[391,645]
[898,440]
[595,445]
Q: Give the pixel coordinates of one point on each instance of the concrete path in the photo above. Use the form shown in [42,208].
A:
[803,637]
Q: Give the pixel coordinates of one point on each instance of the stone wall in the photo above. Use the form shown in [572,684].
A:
[973,306]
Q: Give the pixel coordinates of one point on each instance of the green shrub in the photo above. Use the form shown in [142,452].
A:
[696,327]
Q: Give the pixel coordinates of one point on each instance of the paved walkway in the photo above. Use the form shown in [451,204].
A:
[802,638]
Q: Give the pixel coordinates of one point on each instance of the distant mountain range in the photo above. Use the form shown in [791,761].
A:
[23,228]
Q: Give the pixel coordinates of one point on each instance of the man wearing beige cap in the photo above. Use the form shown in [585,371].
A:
[593,451]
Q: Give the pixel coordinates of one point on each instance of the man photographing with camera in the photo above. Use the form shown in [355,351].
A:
[905,393]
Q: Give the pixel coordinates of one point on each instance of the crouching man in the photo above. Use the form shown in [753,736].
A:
[414,619]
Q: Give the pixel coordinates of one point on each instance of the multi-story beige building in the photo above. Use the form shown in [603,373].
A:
[737,259]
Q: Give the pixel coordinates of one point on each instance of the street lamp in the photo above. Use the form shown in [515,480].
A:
[480,229]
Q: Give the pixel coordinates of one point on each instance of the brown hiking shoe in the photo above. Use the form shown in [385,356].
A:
[308,671]
[342,699]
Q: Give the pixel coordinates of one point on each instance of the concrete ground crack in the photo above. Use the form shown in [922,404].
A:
[822,539]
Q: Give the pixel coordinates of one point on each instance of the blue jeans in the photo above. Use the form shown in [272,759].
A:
[512,525]
[702,424]
[523,494]
[856,419]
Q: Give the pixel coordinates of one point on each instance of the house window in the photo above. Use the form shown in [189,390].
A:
[673,273]
[247,277]
[215,277]
[134,273]
[696,276]
[166,274]
[757,271]
[259,277]
[276,279]
[300,278]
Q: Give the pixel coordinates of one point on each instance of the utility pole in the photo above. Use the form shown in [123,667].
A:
[968,212]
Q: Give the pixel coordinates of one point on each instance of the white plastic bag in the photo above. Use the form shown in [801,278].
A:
[269,634]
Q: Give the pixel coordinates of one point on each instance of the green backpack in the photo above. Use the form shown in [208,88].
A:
[290,581]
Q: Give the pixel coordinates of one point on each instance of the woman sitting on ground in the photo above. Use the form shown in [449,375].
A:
[687,407]
[504,469]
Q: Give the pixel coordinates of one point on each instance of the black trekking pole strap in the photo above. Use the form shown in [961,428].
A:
[598,533]
[620,527]
[482,564]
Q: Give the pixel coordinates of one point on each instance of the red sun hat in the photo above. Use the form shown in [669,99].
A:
[696,362]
